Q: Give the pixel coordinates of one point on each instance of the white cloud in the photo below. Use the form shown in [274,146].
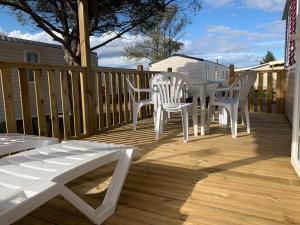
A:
[109,55]
[40,36]
[228,45]
[266,5]
[219,3]
[234,46]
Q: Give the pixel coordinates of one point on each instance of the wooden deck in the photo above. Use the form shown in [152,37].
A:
[212,180]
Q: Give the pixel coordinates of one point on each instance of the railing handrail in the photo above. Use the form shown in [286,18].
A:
[16,64]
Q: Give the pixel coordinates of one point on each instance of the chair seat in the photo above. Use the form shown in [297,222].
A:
[176,106]
[145,102]
[224,101]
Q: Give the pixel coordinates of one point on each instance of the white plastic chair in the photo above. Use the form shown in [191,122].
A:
[31,178]
[136,105]
[170,88]
[236,96]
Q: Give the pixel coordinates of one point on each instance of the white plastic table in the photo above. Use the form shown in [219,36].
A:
[15,142]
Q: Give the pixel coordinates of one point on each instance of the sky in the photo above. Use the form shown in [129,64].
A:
[238,32]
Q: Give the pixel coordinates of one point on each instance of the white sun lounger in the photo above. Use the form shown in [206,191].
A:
[29,179]
[14,142]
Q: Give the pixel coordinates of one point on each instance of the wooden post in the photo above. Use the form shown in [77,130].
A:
[86,62]
[169,69]
[231,74]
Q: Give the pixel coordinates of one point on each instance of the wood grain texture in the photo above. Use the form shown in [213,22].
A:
[53,104]
[107,99]
[40,103]
[126,98]
[114,98]
[260,92]
[8,102]
[120,100]
[65,104]
[212,180]
[100,100]
[25,101]
[84,102]
[270,92]
[76,102]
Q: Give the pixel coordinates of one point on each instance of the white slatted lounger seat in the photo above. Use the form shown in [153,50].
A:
[29,179]
[14,142]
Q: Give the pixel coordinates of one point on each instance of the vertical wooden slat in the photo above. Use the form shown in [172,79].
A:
[53,104]
[278,92]
[260,92]
[251,100]
[84,102]
[231,74]
[65,103]
[7,93]
[40,103]
[120,102]
[140,84]
[125,97]
[269,92]
[25,101]
[114,98]
[100,100]
[107,99]
[148,95]
[75,98]
[283,91]
[137,95]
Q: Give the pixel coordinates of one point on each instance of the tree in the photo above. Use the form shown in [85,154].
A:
[160,40]
[59,18]
[269,57]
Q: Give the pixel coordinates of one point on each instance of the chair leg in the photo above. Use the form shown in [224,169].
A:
[158,122]
[213,113]
[209,115]
[185,124]
[135,111]
[233,120]
[243,116]
[246,113]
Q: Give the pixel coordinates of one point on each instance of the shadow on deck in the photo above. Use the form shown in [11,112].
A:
[212,180]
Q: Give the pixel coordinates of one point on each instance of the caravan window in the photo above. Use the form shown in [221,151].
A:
[31,57]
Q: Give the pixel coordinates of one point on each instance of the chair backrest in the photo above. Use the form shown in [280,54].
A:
[169,86]
[130,89]
[244,83]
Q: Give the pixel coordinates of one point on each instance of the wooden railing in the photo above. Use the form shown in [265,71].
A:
[268,93]
[61,103]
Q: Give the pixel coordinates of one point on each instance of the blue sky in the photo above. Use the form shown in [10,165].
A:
[230,31]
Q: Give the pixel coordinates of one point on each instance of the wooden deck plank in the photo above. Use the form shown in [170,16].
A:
[212,180]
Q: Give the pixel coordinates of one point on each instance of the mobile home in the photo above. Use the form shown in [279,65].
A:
[21,50]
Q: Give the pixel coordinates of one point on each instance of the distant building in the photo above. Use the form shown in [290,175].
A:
[194,68]
[21,50]
[265,68]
